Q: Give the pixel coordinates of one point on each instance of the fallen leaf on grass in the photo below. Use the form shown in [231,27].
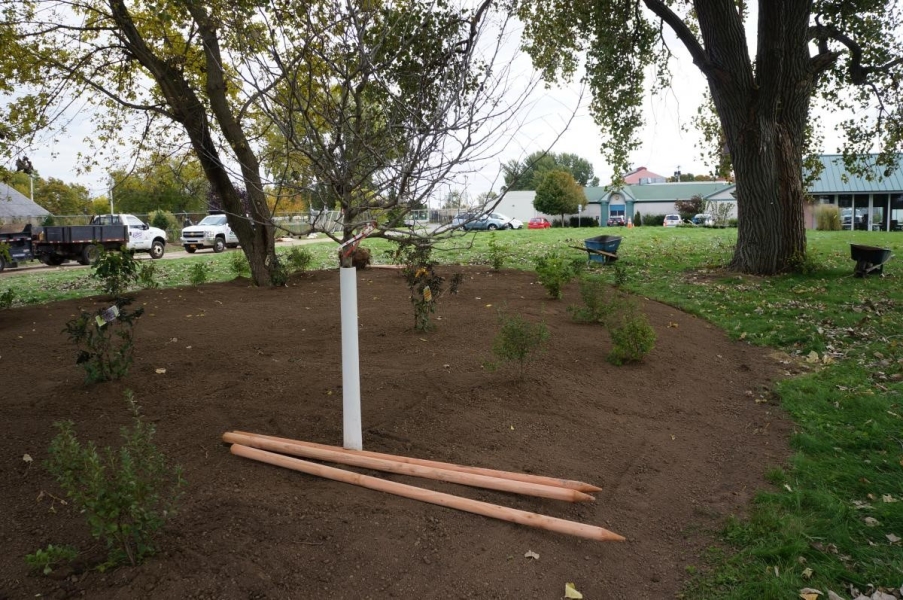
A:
[812,357]
[888,498]
[871,522]
[809,593]
[531,554]
[160,371]
[807,573]
[890,537]
[571,592]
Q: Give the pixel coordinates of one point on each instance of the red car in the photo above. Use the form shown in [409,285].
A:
[538,223]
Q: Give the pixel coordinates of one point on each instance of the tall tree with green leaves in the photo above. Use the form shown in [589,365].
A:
[847,54]
[559,194]
[157,182]
[54,195]
[526,174]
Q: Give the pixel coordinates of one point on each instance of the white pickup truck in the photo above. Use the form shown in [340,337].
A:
[142,237]
[212,232]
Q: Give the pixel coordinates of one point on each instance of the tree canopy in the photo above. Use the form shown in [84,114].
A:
[846,55]
[54,195]
[526,174]
[559,194]
[172,184]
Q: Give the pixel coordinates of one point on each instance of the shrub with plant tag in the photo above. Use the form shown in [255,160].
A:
[423,281]
[104,340]
[126,494]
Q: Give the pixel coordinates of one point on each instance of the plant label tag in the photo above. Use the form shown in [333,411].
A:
[107,316]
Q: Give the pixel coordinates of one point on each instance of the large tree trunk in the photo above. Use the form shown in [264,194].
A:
[763,115]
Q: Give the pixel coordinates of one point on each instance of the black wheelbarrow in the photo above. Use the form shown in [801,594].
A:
[869,259]
[602,248]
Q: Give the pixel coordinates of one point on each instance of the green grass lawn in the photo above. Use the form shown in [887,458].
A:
[835,517]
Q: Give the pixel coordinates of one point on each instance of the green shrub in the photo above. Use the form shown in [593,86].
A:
[498,253]
[166,221]
[654,220]
[732,222]
[554,272]
[7,298]
[147,275]
[4,252]
[583,221]
[199,273]
[46,560]
[827,217]
[298,259]
[637,219]
[116,271]
[517,343]
[600,303]
[425,285]
[238,264]
[126,495]
[104,341]
[631,340]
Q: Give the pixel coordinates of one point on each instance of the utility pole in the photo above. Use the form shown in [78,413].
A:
[112,182]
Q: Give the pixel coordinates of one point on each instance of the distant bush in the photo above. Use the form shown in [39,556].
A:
[654,220]
[166,221]
[238,264]
[199,273]
[299,259]
[583,221]
[827,217]
[637,219]
[732,222]
[498,253]
[116,270]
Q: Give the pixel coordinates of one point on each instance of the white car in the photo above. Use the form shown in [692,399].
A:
[212,232]
[672,221]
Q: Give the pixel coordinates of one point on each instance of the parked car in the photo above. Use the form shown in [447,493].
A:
[491,222]
[212,232]
[616,221]
[461,218]
[672,221]
[539,223]
[704,220]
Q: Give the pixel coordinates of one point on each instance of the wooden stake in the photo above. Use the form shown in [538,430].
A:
[540,479]
[408,491]
[393,466]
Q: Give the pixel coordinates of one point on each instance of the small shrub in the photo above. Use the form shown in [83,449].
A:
[518,343]
[46,560]
[423,281]
[147,275]
[632,339]
[105,341]
[4,252]
[166,221]
[803,263]
[732,222]
[116,271]
[637,219]
[238,264]
[498,253]
[620,273]
[199,273]
[7,298]
[827,217]
[298,260]
[554,272]
[600,303]
[279,274]
[125,495]
[455,283]
[583,221]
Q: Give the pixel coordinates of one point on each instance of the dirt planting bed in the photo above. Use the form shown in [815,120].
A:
[677,443]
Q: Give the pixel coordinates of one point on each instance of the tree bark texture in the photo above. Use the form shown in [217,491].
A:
[763,112]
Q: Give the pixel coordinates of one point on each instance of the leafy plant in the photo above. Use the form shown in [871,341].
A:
[7,298]
[199,273]
[147,275]
[104,340]
[637,219]
[116,271]
[498,253]
[127,494]
[4,252]
[518,343]
[238,264]
[600,303]
[632,339]
[455,283]
[554,271]
[423,281]
[46,560]
[298,259]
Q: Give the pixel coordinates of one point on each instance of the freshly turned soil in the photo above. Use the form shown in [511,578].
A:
[677,442]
